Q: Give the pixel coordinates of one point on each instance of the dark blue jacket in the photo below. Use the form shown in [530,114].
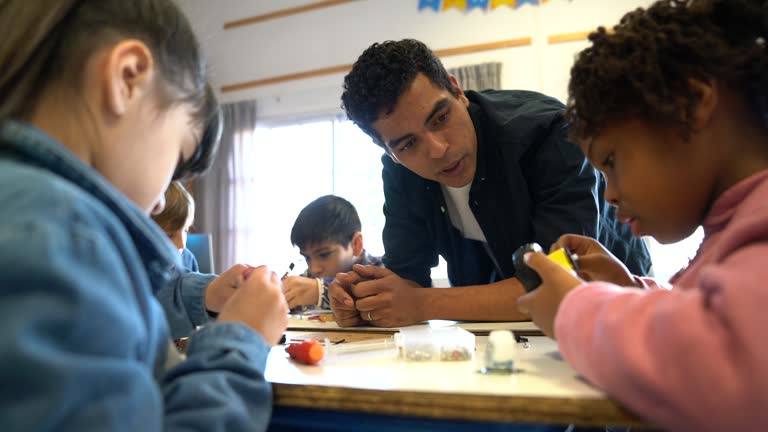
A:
[531,185]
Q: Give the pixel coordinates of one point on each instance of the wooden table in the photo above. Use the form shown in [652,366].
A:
[339,393]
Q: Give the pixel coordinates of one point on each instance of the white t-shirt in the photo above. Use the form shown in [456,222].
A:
[457,200]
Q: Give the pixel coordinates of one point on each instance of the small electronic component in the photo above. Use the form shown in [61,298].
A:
[435,344]
[527,276]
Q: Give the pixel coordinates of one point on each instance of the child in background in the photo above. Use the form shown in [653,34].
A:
[328,234]
[103,102]
[672,106]
[191,299]
[177,217]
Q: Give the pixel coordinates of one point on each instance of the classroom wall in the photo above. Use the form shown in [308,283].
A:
[337,35]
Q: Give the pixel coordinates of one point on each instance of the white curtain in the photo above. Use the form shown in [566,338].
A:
[220,193]
[478,77]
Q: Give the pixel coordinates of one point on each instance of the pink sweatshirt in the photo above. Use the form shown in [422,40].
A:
[694,358]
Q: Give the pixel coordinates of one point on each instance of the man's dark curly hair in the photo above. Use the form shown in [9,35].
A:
[643,67]
[382,73]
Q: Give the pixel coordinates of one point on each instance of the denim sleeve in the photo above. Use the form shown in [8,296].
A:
[218,387]
[82,335]
[189,261]
[183,300]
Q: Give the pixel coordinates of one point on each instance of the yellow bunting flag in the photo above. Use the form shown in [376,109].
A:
[497,3]
[458,4]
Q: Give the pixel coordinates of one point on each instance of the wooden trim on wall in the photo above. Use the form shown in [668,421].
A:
[289,77]
[284,13]
[468,49]
[569,37]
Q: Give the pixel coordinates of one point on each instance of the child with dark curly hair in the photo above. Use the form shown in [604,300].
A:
[672,106]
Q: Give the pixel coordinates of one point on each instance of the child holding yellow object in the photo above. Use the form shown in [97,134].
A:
[672,107]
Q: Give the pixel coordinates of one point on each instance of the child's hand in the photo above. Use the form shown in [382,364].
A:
[221,289]
[259,303]
[300,291]
[595,262]
[543,302]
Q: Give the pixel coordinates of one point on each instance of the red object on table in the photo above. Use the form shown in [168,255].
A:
[308,352]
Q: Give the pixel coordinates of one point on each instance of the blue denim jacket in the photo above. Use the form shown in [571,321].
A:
[183,300]
[189,261]
[84,343]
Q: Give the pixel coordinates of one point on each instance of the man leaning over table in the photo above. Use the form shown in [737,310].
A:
[470,176]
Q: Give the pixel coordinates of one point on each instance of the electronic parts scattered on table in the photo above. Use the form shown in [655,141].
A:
[438,344]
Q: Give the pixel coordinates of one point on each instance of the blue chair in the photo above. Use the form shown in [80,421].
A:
[201,246]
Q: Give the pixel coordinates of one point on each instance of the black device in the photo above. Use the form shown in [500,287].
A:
[526,275]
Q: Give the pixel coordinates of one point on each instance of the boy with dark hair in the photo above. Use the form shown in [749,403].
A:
[328,234]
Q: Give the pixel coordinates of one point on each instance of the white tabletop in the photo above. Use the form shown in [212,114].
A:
[540,373]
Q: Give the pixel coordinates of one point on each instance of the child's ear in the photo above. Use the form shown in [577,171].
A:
[357,244]
[128,72]
[706,94]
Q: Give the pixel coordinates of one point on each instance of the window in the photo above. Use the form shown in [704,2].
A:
[289,166]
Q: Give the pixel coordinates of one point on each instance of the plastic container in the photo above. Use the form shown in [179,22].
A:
[435,344]
[500,351]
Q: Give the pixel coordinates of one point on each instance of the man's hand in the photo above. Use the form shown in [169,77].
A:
[300,291]
[543,302]
[259,303]
[221,289]
[595,262]
[342,303]
[385,299]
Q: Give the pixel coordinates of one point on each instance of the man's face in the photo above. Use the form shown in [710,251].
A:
[430,132]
